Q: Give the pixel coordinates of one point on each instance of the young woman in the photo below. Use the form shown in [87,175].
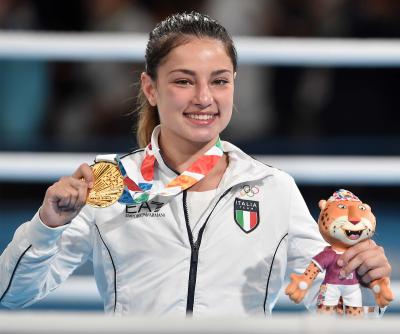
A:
[204,228]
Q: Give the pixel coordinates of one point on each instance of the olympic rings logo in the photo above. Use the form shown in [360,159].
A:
[249,191]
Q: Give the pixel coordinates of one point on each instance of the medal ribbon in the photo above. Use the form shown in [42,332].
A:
[140,191]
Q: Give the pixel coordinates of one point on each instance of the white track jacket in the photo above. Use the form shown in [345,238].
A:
[146,259]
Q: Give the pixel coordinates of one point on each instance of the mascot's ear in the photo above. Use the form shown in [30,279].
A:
[322,204]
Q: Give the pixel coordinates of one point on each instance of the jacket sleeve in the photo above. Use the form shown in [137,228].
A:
[304,242]
[40,258]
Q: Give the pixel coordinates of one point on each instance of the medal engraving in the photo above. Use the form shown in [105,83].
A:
[108,185]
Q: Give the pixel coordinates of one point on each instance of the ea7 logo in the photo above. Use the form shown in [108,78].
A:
[151,209]
[246,214]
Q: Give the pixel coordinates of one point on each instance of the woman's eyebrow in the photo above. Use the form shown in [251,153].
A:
[218,72]
[193,73]
[182,70]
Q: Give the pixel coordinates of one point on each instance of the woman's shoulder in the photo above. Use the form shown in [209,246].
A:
[135,155]
[254,164]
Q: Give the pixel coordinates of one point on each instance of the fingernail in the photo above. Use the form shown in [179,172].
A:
[91,185]
[340,263]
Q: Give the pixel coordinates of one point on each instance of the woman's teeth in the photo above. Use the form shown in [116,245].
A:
[202,117]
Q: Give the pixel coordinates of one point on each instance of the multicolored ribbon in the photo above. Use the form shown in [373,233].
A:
[141,191]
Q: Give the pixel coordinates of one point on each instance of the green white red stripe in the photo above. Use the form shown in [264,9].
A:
[246,219]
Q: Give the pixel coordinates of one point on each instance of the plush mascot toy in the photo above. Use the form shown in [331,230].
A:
[344,221]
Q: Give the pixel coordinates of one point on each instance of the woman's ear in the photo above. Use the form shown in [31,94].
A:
[148,87]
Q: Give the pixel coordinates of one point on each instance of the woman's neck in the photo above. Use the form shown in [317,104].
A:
[181,154]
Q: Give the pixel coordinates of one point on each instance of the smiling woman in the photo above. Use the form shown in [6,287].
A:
[200,227]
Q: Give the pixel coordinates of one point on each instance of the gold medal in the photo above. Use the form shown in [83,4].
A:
[108,185]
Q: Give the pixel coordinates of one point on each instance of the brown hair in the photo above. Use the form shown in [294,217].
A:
[175,30]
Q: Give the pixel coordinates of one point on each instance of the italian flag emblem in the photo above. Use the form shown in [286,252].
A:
[246,214]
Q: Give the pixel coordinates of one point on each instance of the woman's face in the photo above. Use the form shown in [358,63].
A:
[193,92]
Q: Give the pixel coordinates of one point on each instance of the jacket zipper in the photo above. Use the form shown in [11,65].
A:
[195,246]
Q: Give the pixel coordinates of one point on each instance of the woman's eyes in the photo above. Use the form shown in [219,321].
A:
[186,82]
[183,82]
[220,82]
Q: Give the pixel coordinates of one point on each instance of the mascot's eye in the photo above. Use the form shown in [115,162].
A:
[362,207]
[342,206]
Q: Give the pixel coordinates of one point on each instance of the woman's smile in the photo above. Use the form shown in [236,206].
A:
[202,118]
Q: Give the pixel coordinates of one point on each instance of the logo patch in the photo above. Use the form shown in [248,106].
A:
[246,214]
[144,209]
[248,191]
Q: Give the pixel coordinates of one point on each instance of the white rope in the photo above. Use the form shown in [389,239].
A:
[251,50]
[75,47]
[307,170]
[85,322]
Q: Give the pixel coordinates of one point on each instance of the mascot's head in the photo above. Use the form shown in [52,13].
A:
[344,220]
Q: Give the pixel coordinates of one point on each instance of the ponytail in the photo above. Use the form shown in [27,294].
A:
[148,119]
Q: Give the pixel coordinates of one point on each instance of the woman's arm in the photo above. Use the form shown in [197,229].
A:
[46,250]
[40,258]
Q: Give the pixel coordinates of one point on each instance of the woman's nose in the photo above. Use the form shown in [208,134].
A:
[204,96]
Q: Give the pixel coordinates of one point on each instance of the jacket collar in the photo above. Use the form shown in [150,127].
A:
[169,172]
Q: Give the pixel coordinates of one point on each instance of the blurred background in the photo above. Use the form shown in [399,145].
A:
[291,111]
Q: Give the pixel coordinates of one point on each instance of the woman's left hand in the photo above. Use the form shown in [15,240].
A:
[368,259]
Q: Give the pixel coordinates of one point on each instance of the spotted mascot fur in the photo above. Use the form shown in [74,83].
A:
[344,221]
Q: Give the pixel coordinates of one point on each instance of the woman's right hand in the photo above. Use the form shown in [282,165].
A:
[65,198]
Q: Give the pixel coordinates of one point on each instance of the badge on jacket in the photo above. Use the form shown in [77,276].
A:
[246,214]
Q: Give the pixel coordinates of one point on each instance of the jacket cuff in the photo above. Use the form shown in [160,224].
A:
[42,236]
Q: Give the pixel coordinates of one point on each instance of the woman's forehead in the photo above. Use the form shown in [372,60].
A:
[199,53]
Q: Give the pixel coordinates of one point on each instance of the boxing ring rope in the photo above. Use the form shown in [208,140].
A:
[251,50]
[307,170]
[39,323]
